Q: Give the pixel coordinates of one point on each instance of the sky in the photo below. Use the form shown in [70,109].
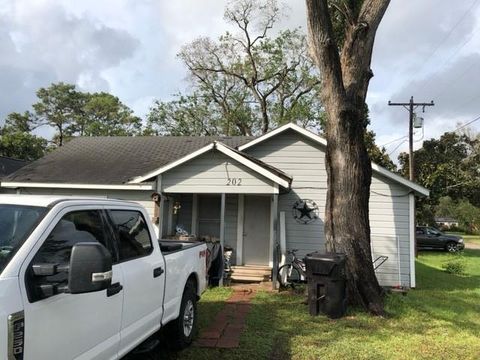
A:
[428,49]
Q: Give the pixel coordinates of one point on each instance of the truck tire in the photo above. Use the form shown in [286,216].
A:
[182,330]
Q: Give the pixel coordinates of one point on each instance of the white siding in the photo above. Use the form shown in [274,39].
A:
[304,160]
[210,173]
[141,197]
[389,224]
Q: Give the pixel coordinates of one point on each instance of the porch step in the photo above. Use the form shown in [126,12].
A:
[251,273]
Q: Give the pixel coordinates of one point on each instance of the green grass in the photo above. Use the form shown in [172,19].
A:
[438,320]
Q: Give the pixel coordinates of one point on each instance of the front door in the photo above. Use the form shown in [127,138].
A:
[256,230]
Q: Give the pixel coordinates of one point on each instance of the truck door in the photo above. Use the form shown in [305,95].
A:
[143,270]
[70,326]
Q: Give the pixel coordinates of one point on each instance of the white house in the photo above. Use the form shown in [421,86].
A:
[251,193]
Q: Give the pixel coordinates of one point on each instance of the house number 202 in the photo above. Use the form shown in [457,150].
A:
[234,181]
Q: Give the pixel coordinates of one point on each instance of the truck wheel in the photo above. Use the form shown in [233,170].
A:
[182,329]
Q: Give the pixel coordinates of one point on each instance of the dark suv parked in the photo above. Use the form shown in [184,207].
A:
[430,238]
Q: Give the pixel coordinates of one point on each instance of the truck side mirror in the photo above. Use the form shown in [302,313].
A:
[90,268]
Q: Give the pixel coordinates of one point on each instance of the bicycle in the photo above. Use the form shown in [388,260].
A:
[293,272]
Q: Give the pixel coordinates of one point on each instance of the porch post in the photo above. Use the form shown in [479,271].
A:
[240,219]
[222,221]
[274,238]
[194,214]
[222,229]
[160,206]
[170,216]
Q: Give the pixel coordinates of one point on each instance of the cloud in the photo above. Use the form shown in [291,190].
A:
[41,43]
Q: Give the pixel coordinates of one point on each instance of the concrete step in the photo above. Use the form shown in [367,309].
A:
[250,273]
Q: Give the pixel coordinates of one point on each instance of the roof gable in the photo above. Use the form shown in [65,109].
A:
[256,165]
[320,140]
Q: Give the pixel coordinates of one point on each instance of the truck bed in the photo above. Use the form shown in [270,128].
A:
[169,246]
[181,257]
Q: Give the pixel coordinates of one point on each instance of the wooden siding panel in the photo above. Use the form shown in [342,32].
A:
[304,160]
[141,197]
[209,173]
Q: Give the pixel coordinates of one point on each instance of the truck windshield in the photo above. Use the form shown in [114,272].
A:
[16,224]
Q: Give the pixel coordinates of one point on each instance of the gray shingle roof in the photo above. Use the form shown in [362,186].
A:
[9,165]
[113,160]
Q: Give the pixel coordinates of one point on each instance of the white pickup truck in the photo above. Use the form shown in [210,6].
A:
[87,279]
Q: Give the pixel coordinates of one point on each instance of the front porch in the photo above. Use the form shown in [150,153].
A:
[247,223]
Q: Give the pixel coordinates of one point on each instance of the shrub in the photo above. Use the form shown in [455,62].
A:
[455,266]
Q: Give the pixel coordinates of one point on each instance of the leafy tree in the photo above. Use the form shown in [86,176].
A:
[468,216]
[378,155]
[59,106]
[342,34]
[446,207]
[191,115]
[105,115]
[244,83]
[447,166]
[16,140]
[75,113]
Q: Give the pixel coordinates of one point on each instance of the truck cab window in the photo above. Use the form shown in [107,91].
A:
[132,233]
[74,227]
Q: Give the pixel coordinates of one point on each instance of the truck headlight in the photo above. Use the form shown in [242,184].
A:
[460,240]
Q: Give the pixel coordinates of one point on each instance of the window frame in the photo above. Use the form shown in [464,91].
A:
[109,245]
[108,215]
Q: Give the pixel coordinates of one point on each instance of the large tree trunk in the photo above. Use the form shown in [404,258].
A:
[345,72]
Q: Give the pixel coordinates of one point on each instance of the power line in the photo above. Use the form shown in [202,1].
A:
[457,79]
[451,31]
[468,123]
[391,142]
[453,55]
[396,147]
[427,59]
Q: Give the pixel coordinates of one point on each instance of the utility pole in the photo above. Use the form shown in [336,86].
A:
[411,106]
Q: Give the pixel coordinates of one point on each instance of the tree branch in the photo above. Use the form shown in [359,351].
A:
[358,47]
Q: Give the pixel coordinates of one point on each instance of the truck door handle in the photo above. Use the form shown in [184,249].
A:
[114,289]
[157,272]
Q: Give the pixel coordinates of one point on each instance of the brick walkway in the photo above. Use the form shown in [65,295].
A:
[226,329]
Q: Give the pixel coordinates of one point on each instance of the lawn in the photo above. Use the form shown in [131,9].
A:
[438,320]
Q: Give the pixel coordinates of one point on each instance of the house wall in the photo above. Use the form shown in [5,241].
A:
[389,226]
[304,160]
[4,190]
[215,173]
[139,196]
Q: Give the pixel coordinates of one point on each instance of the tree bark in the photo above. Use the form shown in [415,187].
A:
[345,76]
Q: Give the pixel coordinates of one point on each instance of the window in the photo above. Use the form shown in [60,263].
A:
[16,224]
[74,227]
[432,231]
[132,232]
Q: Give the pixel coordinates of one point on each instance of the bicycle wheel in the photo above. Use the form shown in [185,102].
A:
[288,275]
